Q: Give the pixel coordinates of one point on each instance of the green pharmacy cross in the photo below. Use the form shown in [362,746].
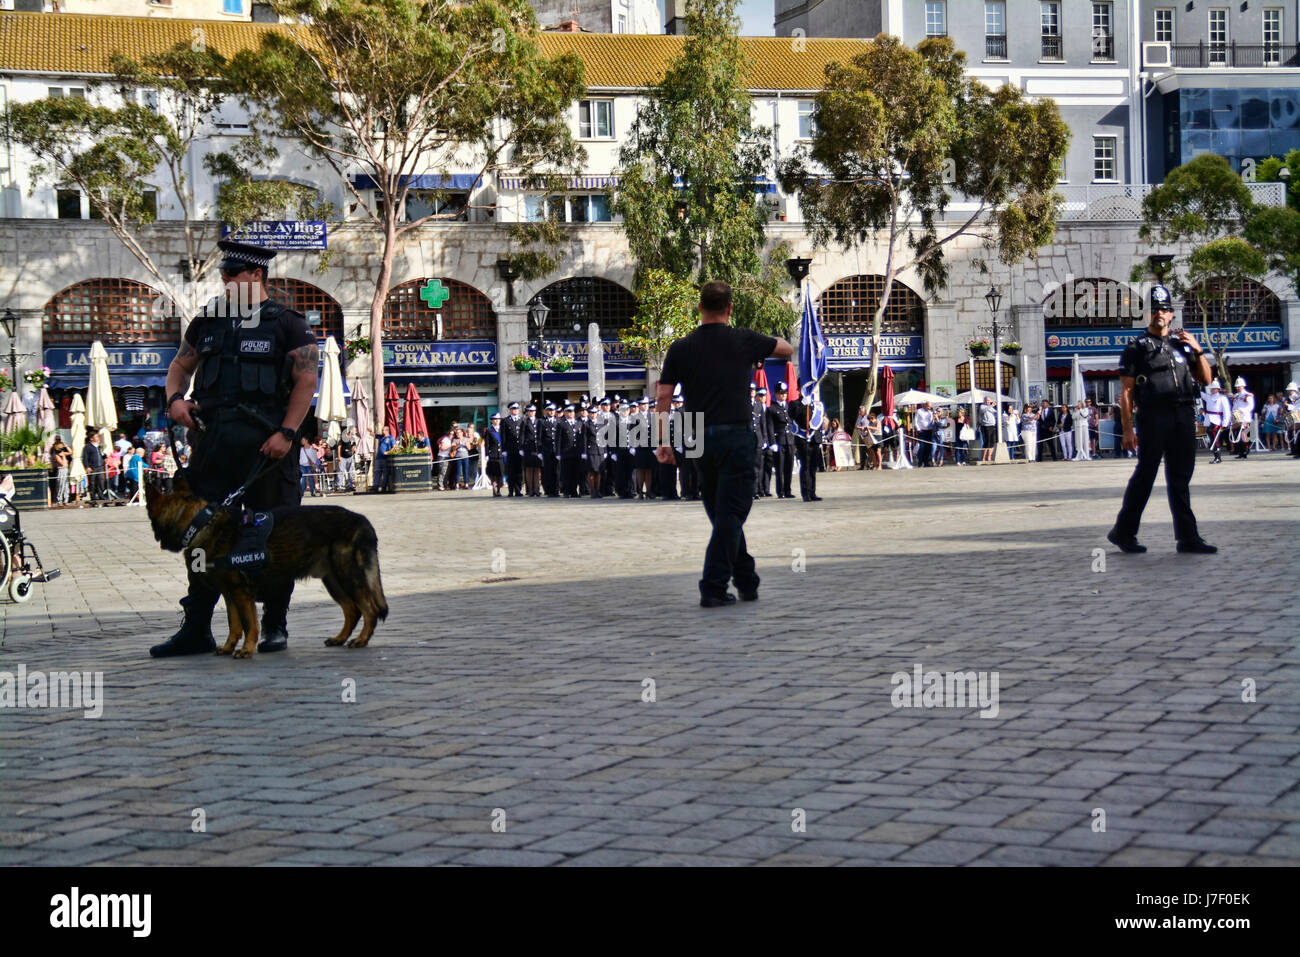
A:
[434,293]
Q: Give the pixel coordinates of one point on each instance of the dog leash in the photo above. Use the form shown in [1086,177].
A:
[261,466]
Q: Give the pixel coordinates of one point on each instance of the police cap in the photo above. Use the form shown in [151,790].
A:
[240,256]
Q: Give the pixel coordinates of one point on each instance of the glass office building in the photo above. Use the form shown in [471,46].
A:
[1242,123]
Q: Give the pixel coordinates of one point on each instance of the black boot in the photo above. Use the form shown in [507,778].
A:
[195,634]
[274,638]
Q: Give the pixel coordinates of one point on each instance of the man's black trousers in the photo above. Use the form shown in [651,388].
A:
[726,470]
[1168,433]
[224,456]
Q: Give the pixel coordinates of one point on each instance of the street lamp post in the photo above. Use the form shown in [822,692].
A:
[11,330]
[994,299]
[537,314]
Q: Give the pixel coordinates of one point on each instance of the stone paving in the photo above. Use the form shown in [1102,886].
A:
[514,694]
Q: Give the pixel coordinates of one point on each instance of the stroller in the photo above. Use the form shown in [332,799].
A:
[20,565]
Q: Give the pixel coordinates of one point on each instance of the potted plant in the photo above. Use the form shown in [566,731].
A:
[1011,348]
[22,455]
[979,347]
[360,346]
[411,466]
[523,363]
[559,363]
[37,378]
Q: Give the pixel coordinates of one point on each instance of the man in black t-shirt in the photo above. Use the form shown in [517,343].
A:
[713,365]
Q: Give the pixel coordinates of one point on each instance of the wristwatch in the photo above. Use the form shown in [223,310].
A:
[179,396]
[288,433]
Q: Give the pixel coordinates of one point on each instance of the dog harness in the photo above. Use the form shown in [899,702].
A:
[249,551]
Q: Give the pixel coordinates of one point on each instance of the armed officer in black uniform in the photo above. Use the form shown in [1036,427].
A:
[778,430]
[1159,373]
[758,418]
[548,444]
[244,349]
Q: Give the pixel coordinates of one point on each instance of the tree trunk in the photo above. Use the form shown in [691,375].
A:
[377,324]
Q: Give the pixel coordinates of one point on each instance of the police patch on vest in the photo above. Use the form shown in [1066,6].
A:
[1178,357]
[255,346]
[248,558]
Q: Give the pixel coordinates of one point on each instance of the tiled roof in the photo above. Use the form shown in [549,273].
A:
[82,43]
[71,43]
[639,60]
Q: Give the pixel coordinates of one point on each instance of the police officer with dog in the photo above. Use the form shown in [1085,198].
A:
[253,363]
[1159,375]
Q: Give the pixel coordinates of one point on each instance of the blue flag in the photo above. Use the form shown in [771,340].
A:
[812,349]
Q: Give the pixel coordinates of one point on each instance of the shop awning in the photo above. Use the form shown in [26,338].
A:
[66,380]
[1266,357]
[1087,363]
[587,181]
[460,182]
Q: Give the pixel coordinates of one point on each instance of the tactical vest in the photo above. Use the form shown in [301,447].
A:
[1164,373]
[241,361]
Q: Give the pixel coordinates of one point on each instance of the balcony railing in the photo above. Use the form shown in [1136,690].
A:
[1053,48]
[1247,55]
[1123,203]
[1103,47]
[995,47]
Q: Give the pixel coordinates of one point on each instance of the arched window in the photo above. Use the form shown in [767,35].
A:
[465,313]
[311,301]
[1091,302]
[1246,302]
[847,307]
[114,311]
[583,300]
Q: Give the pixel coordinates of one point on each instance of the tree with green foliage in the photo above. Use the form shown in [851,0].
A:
[1270,171]
[665,311]
[1232,244]
[1218,271]
[899,133]
[143,125]
[686,193]
[395,89]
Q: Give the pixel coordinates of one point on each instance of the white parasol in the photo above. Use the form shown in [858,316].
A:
[101,411]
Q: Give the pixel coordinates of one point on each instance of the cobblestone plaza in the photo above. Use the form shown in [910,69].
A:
[547,691]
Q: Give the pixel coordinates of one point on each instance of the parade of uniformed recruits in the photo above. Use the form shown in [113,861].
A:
[1159,376]
[253,362]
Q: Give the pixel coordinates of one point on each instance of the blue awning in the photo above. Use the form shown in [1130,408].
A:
[68,380]
[461,182]
[760,184]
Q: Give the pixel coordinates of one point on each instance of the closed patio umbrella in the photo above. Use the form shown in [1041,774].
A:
[15,413]
[413,421]
[45,419]
[392,410]
[361,411]
[101,411]
[330,405]
[898,458]
[78,411]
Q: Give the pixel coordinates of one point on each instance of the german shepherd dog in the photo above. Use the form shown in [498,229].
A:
[327,542]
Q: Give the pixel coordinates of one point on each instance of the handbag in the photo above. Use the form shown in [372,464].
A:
[967,434]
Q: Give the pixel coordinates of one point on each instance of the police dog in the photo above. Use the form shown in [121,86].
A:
[333,544]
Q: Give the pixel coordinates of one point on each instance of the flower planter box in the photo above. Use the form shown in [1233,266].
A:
[411,473]
[31,487]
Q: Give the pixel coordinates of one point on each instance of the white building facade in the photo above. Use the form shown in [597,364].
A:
[453,319]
